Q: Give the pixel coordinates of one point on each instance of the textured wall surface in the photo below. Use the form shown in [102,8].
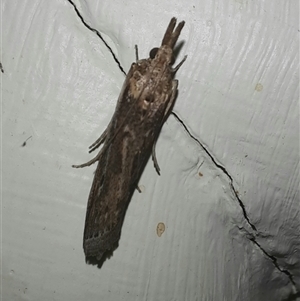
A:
[228,193]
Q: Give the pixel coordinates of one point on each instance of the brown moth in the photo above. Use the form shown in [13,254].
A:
[146,99]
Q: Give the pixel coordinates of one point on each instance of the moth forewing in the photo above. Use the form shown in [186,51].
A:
[146,99]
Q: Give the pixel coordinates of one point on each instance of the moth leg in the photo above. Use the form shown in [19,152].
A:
[156,166]
[97,158]
[166,114]
[99,141]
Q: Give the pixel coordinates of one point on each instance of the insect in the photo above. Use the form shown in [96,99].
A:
[146,99]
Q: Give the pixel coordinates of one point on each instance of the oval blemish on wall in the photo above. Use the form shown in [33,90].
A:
[209,23]
[259,87]
[160,229]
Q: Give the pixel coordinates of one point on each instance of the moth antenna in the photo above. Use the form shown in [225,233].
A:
[179,65]
[136,52]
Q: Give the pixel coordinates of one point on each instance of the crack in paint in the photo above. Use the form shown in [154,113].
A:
[252,236]
[274,260]
[98,34]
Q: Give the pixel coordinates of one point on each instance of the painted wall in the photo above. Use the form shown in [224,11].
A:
[228,193]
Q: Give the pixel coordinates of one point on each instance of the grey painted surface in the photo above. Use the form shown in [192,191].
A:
[238,98]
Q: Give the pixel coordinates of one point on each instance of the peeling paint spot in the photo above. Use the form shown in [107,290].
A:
[160,229]
[259,87]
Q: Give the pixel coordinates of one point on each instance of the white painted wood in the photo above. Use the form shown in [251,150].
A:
[238,97]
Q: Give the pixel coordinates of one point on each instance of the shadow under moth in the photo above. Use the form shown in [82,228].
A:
[146,99]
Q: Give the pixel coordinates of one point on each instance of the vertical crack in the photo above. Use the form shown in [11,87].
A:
[241,204]
[98,34]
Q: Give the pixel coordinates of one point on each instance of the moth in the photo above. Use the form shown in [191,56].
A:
[146,99]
